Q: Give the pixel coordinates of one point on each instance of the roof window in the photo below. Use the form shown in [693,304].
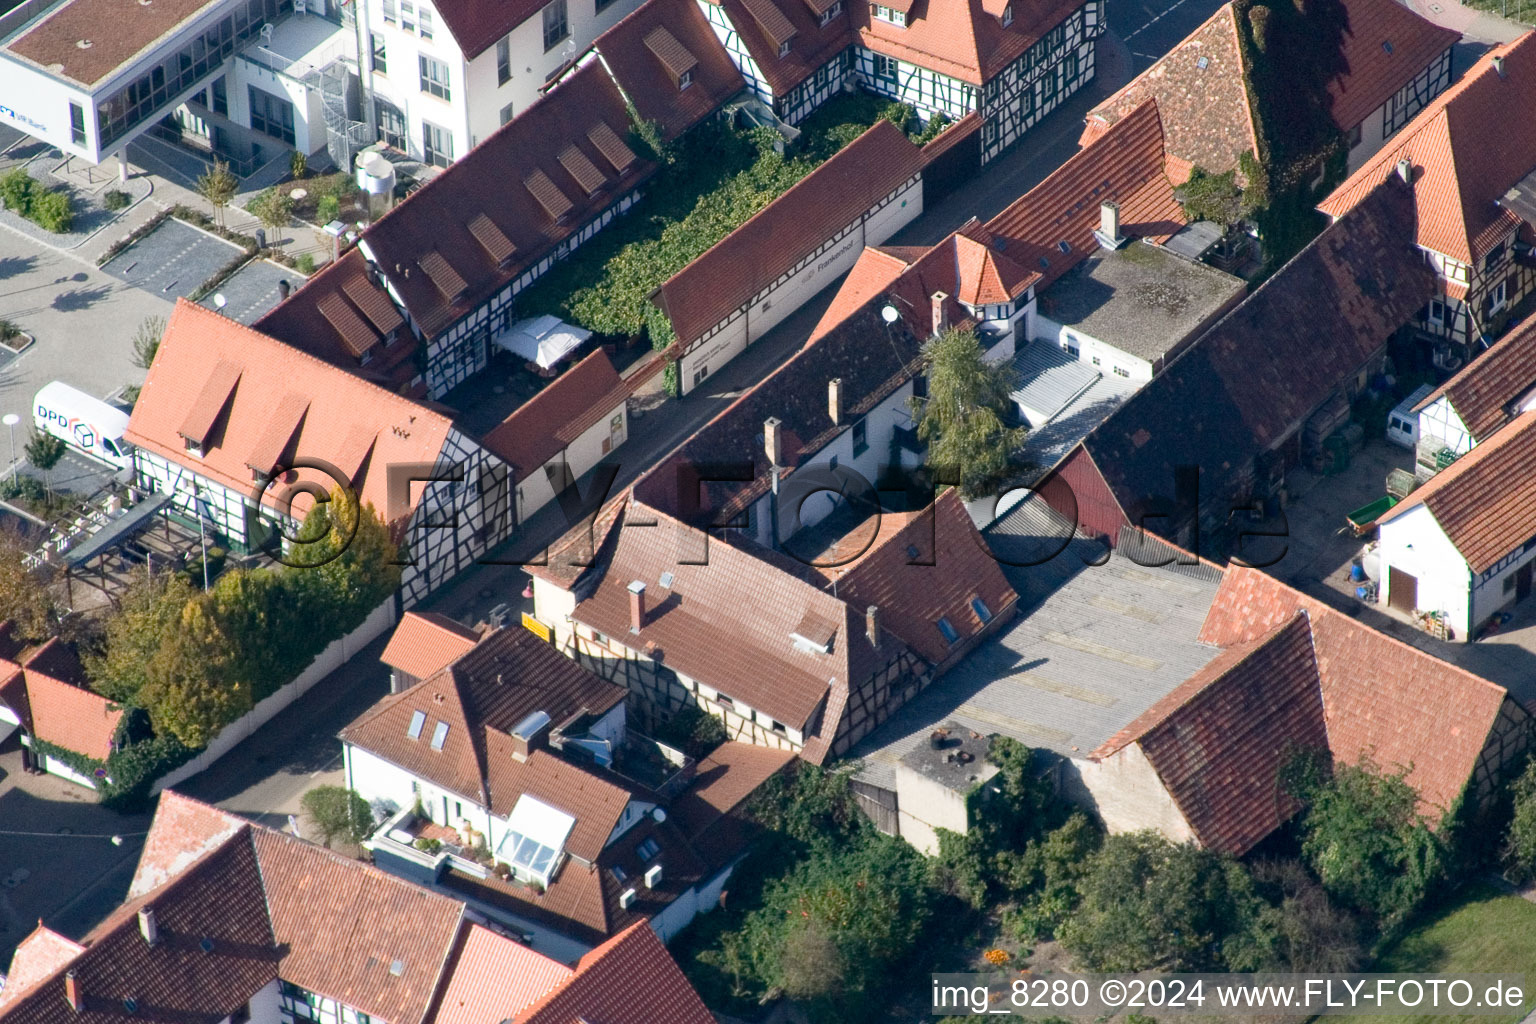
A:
[648,849]
[982,611]
[418,719]
[945,627]
[439,734]
[1203,63]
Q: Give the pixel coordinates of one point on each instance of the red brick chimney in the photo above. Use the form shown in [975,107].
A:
[940,320]
[636,606]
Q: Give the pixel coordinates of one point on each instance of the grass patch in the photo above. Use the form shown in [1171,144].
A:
[1484,931]
[1523,11]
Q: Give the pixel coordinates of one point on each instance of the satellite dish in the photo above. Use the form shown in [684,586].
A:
[219,300]
[889,314]
[659,814]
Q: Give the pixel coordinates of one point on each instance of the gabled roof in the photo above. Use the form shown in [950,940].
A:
[763,24]
[477,26]
[1123,165]
[492,978]
[62,710]
[1200,96]
[339,315]
[347,416]
[1264,367]
[933,568]
[964,39]
[487,691]
[38,956]
[770,243]
[1382,698]
[604,986]
[523,155]
[1384,46]
[1484,392]
[722,782]
[1483,500]
[1218,758]
[183,830]
[424,643]
[987,277]
[1463,156]
[876,269]
[550,421]
[646,65]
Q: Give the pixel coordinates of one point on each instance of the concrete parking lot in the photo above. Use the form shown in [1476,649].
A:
[172,260]
[252,290]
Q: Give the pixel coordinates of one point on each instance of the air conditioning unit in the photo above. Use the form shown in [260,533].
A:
[653,876]
[627,898]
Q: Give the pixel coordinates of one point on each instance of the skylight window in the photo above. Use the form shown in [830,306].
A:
[418,719]
[1203,63]
[1386,44]
[666,580]
[1064,246]
[648,849]
[439,734]
[982,611]
[948,630]
[536,834]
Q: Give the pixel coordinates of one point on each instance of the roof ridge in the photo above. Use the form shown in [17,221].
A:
[1488,449]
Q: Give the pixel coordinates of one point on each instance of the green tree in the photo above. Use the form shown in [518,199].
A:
[189,692]
[147,613]
[338,813]
[274,208]
[964,418]
[810,804]
[1305,930]
[1046,877]
[1365,839]
[146,341]
[44,450]
[692,730]
[24,600]
[1147,902]
[1520,838]
[218,186]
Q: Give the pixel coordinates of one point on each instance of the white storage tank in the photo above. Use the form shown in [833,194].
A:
[376,177]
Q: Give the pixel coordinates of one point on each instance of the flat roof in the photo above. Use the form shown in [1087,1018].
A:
[1141,299]
[958,762]
[1093,647]
[116,31]
[1071,395]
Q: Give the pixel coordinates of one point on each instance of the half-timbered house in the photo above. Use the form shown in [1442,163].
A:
[1473,182]
[241,430]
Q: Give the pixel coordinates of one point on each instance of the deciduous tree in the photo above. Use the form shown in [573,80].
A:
[964,418]
[218,186]
[338,813]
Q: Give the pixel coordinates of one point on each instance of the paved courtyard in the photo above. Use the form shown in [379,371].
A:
[172,260]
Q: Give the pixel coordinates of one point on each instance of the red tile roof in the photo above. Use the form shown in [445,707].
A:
[485,693]
[650,83]
[1204,108]
[338,315]
[183,830]
[1381,697]
[39,955]
[964,39]
[425,643]
[1219,740]
[1484,390]
[1483,500]
[875,271]
[1463,155]
[63,711]
[836,194]
[544,426]
[933,568]
[722,782]
[604,987]
[811,44]
[191,364]
[526,148]
[477,26]
[1384,47]
[492,978]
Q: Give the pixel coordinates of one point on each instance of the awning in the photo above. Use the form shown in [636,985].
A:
[543,339]
[118,531]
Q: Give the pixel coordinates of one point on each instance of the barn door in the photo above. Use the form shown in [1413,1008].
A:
[1402,591]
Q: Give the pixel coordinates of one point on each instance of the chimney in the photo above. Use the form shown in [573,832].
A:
[1108,233]
[147,926]
[872,625]
[529,735]
[835,400]
[1405,170]
[939,320]
[772,443]
[72,991]
[1498,65]
[282,289]
[636,606]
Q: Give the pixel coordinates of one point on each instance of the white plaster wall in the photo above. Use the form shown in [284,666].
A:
[1090,348]
[1125,792]
[265,1008]
[1414,543]
[553,607]
[1439,419]
[35,103]
[925,805]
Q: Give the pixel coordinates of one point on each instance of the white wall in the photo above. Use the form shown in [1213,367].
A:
[833,258]
[1439,419]
[538,488]
[1090,349]
[1125,792]
[265,1007]
[1414,543]
[923,806]
[308,110]
[38,104]
[699,899]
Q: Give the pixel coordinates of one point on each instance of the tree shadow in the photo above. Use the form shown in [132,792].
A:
[13,266]
[77,299]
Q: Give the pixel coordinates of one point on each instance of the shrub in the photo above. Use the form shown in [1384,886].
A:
[298,163]
[326,209]
[692,730]
[338,812]
[304,263]
[16,188]
[116,199]
[52,211]
[1520,839]
[430,847]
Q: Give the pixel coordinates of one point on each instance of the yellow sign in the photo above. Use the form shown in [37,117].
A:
[536,627]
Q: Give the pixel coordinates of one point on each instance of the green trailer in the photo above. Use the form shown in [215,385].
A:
[1362,519]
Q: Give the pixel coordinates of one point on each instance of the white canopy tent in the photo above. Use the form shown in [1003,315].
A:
[542,339]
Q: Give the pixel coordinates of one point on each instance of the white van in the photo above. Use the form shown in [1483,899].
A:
[84,423]
[1403,422]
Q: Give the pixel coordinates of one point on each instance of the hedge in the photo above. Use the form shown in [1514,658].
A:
[130,771]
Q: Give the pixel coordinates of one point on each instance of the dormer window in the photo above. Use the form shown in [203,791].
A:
[1007,15]
[831,12]
[685,79]
[784,48]
[366,357]
[891,15]
[194,447]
